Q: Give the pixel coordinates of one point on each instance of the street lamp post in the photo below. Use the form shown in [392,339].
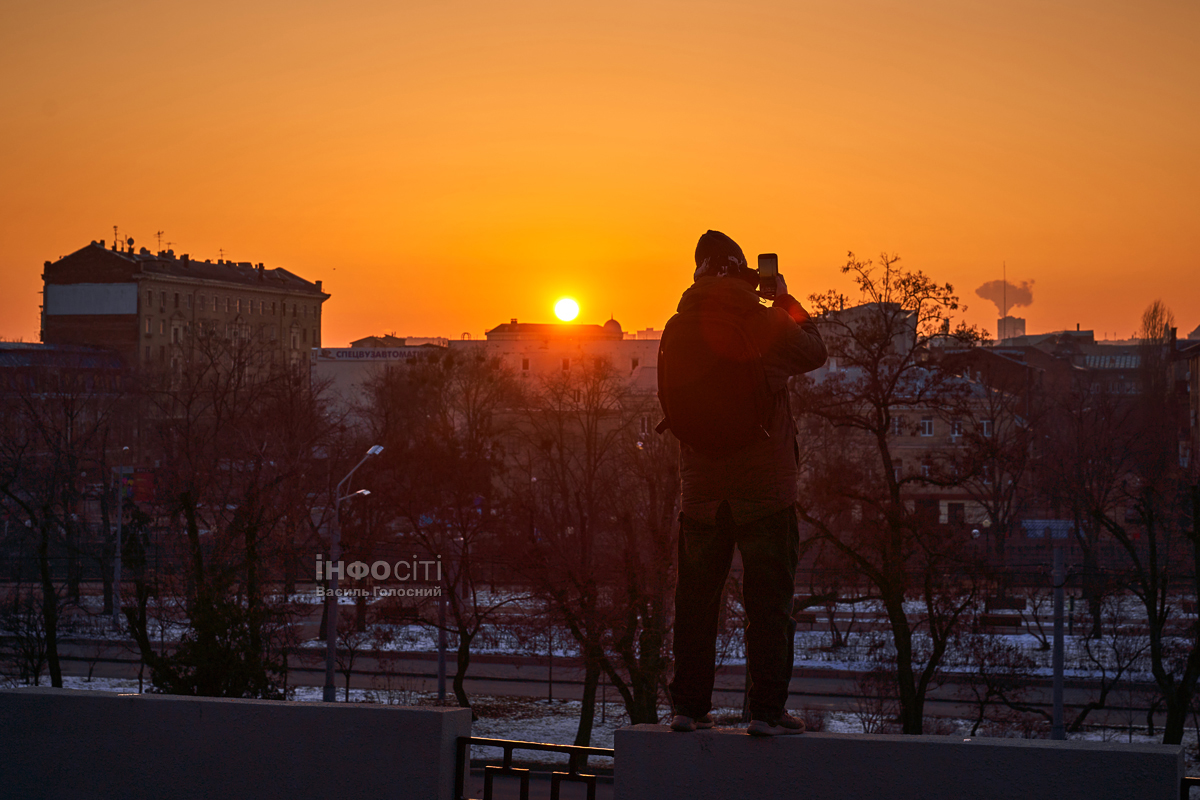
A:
[334,571]
[116,590]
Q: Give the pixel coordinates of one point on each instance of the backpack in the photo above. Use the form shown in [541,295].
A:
[711,383]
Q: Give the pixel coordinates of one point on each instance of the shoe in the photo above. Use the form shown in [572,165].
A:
[684,724]
[783,725]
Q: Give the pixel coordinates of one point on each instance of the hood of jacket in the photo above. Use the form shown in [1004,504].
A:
[731,295]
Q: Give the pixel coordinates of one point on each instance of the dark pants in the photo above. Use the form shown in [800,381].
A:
[770,548]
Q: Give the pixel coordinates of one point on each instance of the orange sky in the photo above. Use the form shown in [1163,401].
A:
[445,165]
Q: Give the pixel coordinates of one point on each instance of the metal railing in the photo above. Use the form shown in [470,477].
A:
[572,774]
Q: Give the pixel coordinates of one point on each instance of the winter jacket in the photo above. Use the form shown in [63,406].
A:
[759,479]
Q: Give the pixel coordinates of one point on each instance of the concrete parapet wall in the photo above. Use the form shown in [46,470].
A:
[60,743]
[653,762]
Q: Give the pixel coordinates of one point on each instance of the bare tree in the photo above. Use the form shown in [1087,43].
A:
[444,423]
[598,513]
[239,439]
[54,425]
[854,495]
[1151,514]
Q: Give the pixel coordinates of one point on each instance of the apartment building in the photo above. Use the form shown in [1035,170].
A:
[152,307]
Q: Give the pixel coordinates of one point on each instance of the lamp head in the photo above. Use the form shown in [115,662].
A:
[375,450]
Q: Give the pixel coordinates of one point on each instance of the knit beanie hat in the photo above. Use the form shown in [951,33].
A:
[718,256]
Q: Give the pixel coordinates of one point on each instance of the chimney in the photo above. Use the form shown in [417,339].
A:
[318,286]
[1077,327]
[514,321]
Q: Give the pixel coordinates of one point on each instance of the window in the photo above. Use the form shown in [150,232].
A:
[304,335]
[306,311]
[189,302]
[200,302]
[956,513]
[162,299]
[897,467]
[926,469]
[633,364]
[956,428]
[272,308]
[147,324]
[177,299]
[149,297]
[147,352]
[566,364]
[987,427]
[927,426]
[293,309]
[897,425]
[237,306]
[162,326]
[525,364]
[226,305]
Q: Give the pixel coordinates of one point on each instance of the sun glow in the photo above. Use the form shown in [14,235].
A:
[566,309]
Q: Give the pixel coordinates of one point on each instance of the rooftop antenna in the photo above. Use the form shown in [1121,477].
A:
[221,253]
[159,237]
[116,237]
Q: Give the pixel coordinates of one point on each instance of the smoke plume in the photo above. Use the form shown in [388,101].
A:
[1017,295]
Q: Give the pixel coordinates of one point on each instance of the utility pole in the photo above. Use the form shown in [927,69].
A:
[1056,730]
[442,646]
[116,590]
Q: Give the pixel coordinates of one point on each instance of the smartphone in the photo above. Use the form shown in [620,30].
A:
[768,269]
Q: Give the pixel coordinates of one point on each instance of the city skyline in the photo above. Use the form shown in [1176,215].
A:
[446,168]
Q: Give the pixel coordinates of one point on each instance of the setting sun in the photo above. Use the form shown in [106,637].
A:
[566,309]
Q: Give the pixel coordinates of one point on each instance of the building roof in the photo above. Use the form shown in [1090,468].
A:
[1050,338]
[1119,361]
[97,264]
[554,330]
[387,340]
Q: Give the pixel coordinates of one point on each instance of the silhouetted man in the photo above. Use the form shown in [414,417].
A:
[742,494]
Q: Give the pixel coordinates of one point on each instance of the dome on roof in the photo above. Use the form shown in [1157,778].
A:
[613,326]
